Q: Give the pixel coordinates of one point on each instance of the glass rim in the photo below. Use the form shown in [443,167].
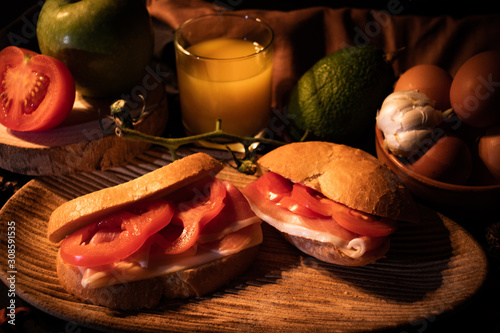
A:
[246,17]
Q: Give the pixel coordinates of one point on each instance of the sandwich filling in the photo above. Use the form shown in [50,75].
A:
[201,223]
[298,210]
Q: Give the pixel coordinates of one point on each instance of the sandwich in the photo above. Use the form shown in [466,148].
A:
[336,203]
[175,232]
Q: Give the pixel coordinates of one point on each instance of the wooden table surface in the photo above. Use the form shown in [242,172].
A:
[422,282]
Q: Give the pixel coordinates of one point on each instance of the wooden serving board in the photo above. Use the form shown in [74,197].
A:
[431,268]
[79,144]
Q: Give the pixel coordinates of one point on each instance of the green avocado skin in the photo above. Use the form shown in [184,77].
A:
[338,97]
[106,44]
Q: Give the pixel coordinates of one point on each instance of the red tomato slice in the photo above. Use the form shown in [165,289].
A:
[236,209]
[193,215]
[360,222]
[37,92]
[282,216]
[274,186]
[310,198]
[296,207]
[117,236]
[311,204]
[294,197]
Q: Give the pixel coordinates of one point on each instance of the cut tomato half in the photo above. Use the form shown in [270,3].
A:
[37,92]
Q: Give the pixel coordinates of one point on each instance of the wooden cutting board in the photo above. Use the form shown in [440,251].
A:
[432,268]
[79,144]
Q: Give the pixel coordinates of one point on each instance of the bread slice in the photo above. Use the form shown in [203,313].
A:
[76,213]
[148,293]
[344,174]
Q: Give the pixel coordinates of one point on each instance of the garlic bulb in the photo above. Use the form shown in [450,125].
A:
[407,118]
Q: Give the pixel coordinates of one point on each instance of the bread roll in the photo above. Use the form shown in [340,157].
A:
[346,175]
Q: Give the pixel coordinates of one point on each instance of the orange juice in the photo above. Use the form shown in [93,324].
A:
[227,79]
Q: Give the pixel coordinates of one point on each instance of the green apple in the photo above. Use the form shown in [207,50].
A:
[106,44]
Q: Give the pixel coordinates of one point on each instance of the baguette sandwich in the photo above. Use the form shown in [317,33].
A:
[175,232]
[334,202]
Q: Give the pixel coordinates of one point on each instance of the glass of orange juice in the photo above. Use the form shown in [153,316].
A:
[224,64]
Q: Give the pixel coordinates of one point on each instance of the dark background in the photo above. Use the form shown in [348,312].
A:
[15,9]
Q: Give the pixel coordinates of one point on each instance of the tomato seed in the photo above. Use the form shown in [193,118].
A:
[36,93]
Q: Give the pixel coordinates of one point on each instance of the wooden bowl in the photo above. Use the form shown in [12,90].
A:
[439,195]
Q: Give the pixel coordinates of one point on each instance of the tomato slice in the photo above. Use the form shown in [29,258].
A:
[192,215]
[310,199]
[236,209]
[282,218]
[116,236]
[307,202]
[291,204]
[360,222]
[274,186]
[348,218]
[37,92]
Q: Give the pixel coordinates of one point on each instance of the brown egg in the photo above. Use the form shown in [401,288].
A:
[475,91]
[449,160]
[429,79]
[489,152]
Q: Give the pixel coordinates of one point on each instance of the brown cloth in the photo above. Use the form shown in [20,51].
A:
[304,36]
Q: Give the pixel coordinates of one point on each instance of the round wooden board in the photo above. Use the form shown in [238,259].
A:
[79,144]
[431,268]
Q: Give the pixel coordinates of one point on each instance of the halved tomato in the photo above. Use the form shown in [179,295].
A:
[37,92]
[116,236]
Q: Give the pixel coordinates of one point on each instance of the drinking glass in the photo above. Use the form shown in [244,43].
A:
[224,65]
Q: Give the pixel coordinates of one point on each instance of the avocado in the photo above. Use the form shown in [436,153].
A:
[338,97]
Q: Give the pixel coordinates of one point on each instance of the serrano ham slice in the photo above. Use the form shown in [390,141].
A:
[282,212]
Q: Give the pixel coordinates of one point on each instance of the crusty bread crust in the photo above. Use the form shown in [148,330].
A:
[344,174]
[330,253]
[148,293]
[76,213]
